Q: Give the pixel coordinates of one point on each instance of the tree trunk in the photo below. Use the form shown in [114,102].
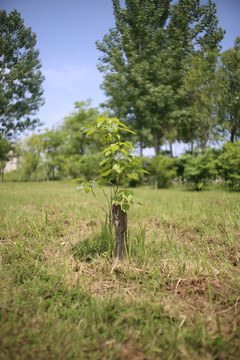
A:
[171,149]
[232,130]
[191,151]
[141,148]
[232,136]
[120,224]
[156,144]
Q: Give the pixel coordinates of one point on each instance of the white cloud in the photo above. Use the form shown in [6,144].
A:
[67,78]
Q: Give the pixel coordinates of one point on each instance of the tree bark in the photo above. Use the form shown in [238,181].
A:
[120,224]
[141,148]
[232,132]
[156,144]
[171,149]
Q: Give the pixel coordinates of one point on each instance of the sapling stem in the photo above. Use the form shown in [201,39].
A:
[119,164]
[99,202]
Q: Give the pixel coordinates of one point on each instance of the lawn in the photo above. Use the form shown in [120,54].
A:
[63,295]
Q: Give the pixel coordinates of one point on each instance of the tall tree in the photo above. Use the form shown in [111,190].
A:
[198,115]
[21,92]
[229,90]
[144,58]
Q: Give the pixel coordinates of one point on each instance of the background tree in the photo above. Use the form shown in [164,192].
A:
[53,140]
[80,156]
[200,169]
[163,169]
[144,58]
[5,153]
[20,76]
[197,115]
[83,116]
[228,164]
[228,77]
[31,155]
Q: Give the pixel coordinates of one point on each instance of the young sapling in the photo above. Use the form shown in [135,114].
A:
[119,164]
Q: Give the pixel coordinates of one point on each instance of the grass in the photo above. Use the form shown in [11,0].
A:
[63,295]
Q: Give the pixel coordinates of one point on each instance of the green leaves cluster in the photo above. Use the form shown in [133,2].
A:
[228,164]
[125,198]
[119,162]
[200,169]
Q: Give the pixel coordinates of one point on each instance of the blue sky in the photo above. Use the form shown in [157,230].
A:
[66,34]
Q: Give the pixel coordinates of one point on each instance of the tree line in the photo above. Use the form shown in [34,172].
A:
[164,77]
[65,152]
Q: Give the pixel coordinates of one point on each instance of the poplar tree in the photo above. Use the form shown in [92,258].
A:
[144,58]
[21,92]
[228,77]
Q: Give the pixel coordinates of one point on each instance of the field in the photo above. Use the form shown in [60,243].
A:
[63,296]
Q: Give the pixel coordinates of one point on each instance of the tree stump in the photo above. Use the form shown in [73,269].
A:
[120,224]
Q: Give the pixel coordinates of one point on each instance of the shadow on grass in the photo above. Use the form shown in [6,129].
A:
[97,244]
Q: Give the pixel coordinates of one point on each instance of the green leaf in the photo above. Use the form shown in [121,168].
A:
[133,176]
[125,207]
[117,168]
[103,162]
[128,130]
[126,152]
[106,173]
[115,147]
[76,180]
[91,131]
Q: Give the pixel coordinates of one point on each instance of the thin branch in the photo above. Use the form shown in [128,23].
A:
[118,183]
[111,195]
[107,199]
[99,202]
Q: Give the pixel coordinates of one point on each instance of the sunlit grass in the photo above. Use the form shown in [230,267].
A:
[64,296]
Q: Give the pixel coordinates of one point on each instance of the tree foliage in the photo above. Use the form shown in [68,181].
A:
[119,164]
[162,167]
[21,92]
[52,142]
[200,169]
[30,154]
[5,153]
[197,116]
[229,164]
[145,55]
[229,90]
[83,116]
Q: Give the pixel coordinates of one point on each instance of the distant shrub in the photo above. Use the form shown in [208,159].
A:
[180,165]
[163,168]
[228,164]
[86,166]
[200,169]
